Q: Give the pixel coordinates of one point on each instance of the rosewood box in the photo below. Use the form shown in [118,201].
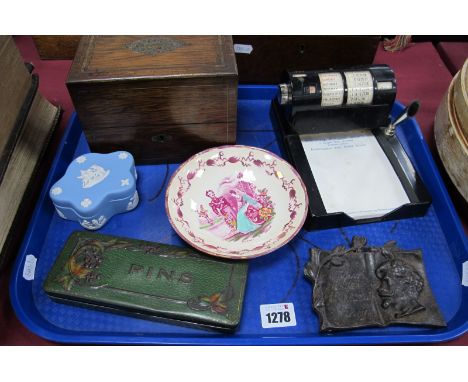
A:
[162,98]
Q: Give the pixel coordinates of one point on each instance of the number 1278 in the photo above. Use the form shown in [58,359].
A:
[278,317]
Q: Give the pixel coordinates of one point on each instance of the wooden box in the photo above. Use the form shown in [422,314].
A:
[55,47]
[266,59]
[162,98]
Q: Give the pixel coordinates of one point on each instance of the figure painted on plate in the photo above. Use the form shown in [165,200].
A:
[237,210]
[247,217]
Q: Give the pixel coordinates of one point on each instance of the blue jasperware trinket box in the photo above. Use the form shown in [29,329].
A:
[95,187]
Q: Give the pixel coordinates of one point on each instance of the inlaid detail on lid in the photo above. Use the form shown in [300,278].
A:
[128,58]
[155,45]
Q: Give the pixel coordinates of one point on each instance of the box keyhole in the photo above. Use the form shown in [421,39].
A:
[161,138]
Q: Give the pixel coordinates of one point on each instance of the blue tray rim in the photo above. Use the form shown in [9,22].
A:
[67,336]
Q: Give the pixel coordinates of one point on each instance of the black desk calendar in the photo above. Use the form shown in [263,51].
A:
[336,130]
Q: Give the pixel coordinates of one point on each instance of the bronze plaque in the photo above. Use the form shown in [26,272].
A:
[365,286]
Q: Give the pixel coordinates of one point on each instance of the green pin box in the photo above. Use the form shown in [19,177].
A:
[148,280]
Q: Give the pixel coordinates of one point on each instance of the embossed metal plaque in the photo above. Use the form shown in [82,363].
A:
[365,286]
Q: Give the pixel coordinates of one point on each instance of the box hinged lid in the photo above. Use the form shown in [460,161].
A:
[114,58]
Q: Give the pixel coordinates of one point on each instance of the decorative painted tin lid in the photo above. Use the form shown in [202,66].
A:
[92,180]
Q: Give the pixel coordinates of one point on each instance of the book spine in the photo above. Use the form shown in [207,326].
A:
[19,124]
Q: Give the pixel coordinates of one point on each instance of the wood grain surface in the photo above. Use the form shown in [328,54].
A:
[162,98]
[107,58]
[272,56]
[56,47]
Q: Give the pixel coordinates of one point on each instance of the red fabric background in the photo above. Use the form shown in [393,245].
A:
[420,72]
[454,54]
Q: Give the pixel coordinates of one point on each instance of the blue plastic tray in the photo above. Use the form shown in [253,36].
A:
[274,278]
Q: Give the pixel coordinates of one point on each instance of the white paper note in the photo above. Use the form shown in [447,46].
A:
[353,174]
[29,268]
[243,48]
[465,274]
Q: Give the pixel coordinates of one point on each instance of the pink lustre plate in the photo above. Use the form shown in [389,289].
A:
[236,201]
